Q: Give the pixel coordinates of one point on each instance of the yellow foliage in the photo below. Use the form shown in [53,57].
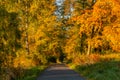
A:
[110,56]
[95,58]
[23,62]
[86,59]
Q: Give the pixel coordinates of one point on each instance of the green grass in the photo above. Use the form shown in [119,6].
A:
[32,73]
[100,71]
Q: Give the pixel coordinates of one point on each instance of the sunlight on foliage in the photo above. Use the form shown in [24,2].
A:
[39,32]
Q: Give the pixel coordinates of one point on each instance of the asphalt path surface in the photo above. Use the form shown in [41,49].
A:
[59,72]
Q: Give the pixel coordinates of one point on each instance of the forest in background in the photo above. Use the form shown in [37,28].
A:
[38,32]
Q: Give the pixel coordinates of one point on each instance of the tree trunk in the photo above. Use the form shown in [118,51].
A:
[27,43]
[26,25]
[89,49]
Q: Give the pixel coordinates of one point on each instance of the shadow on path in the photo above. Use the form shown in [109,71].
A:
[59,72]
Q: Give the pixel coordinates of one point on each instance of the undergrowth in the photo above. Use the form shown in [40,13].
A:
[106,68]
[32,73]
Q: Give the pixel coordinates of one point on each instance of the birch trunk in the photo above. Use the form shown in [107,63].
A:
[89,49]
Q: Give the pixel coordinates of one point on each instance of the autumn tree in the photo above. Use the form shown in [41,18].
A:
[10,36]
[75,44]
[87,27]
[93,22]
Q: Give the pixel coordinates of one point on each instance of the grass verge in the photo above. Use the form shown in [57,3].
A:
[32,73]
[109,70]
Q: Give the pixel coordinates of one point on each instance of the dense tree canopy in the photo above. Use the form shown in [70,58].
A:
[43,29]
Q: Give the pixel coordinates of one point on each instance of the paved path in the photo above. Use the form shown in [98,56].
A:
[59,72]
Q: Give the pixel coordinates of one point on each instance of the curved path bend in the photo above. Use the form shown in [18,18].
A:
[59,72]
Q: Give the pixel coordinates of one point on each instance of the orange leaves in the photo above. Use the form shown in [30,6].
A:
[105,8]
[111,34]
[102,9]
[96,42]
[86,60]
[111,30]
[94,58]
[113,56]
[100,24]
